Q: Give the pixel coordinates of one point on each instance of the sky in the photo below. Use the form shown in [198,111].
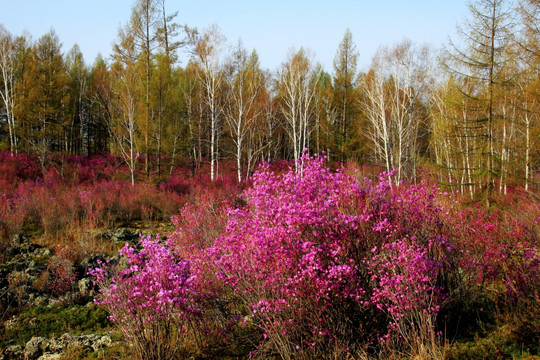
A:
[272,27]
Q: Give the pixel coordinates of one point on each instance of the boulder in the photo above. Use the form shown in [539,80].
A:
[12,352]
[86,342]
[103,342]
[123,235]
[35,348]
[19,240]
[50,356]
[67,340]
[86,287]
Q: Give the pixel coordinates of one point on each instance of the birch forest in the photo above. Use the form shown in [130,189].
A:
[466,113]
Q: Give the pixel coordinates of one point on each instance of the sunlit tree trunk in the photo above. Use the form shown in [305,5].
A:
[207,50]
[296,91]
[7,92]
[245,82]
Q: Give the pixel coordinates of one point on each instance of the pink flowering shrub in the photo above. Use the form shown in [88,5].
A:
[407,290]
[285,254]
[301,255]
[151,299]
[496,250]
[321,264]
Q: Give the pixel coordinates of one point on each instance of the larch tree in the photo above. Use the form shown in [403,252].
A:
[99,97]
[43,106]
[24,55]
[164,103]
[529,83]
[480,65]
[144,29]
[345,83]
[79,114]
[454,138]
[324,136]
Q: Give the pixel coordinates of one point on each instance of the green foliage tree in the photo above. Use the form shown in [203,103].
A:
[44,102]
[345,82]
[78,105]
[480,72]
[99,98]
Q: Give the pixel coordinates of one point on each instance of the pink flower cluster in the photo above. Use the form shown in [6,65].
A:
[154,284]
[320,260]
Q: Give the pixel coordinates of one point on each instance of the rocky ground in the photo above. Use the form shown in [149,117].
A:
[41,348]
[38,320]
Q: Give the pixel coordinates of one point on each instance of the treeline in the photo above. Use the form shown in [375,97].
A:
[469,113]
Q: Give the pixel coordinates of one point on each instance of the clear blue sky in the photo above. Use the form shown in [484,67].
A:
[272,27]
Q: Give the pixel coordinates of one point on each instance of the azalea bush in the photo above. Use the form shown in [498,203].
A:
[151,300]
[325,264]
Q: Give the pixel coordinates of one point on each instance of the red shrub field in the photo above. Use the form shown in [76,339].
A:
[323,263]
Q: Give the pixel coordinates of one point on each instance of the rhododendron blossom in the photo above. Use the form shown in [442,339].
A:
[319,264]
[151,299]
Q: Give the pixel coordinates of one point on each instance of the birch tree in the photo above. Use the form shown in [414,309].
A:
[123,124]
[297,90]
[207,52]
[245,82]
[392,103]
[529,82]
[8,86]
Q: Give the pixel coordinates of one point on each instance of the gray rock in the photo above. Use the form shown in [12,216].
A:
[123,235]
[41,300]
[67,340]
[87,341]
[56,345]
[103,342]
[13,352]
[39,348]
[50,356]
[35,348]
[64,342]
[19,240]
[84,341]
[86,287]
